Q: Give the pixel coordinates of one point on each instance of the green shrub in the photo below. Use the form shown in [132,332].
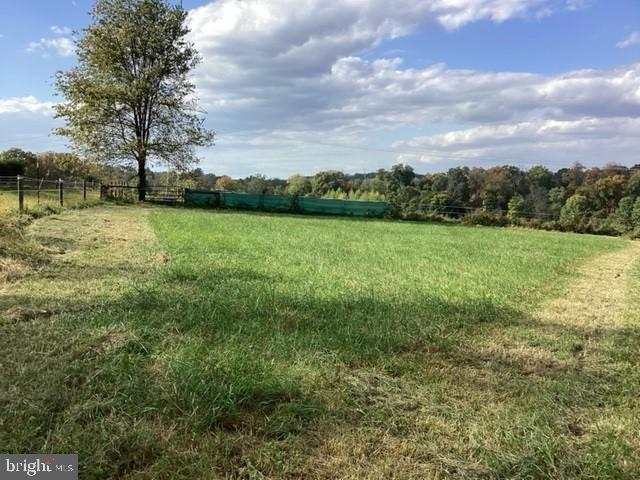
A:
[574,212]
[482,217]
[516,208]
[441,204]
[635,213]
[602,226]
[624,214]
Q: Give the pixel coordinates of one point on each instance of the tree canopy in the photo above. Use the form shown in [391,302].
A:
[129,99]
[15,161]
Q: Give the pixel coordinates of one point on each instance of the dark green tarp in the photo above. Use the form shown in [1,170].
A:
[284,203]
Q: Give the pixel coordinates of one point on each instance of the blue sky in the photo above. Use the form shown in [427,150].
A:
[303,85]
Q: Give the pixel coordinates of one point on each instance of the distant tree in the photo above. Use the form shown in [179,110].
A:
[572,178]
[633,185]
[458,184]
[635,213]
[609,191]
[624,213]
[298,185]
[403,174]
[336,194]
[61,165]
[401,199]
[574,211]
[256,184]
[441,203]
[476,179]
[521,183]
[15,162]
[490,201]
[207,181]
[367,195]
[226,183]
[557,197]
[499,186]
[540,176]
[375,184]
[322,182]
[130,99]
[439,182]
[195,173]
[515,208]
[537,202]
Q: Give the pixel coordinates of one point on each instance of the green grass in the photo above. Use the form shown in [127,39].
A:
[359,289]
[195,344]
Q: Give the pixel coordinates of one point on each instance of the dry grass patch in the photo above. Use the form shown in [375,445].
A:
[93,257]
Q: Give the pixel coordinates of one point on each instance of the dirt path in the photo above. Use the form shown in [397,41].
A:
[599,295]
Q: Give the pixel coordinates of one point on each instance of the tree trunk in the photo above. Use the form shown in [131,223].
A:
[142,178]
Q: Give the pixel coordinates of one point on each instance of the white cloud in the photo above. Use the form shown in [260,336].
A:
[632,39]
[28,104]
[284,78]
[357,94]
[525,133]
[279,65]
[297,69]
[60,30]
[313,34]
[26,122]
[591,140]
[62,46]
[573,5]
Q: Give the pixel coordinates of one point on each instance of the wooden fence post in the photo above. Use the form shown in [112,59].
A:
[20,194]
[84,190]
[61,191]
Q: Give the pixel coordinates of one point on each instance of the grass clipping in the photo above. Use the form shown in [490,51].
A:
[19,255]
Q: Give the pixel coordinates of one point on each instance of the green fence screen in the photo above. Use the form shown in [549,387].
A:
[284,203]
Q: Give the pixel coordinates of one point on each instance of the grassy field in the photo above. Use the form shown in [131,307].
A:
[168,343]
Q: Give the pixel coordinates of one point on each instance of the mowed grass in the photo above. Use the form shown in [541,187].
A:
[48,198]
[197,344]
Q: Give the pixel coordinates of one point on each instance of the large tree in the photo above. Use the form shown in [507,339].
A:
[129,99]
[15,161]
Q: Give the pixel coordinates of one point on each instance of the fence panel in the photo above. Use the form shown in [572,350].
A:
[25,193]
[203,198]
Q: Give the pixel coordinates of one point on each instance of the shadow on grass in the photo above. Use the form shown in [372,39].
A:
[229,351]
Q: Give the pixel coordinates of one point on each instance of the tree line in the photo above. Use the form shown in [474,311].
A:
[599,200]
[594,200]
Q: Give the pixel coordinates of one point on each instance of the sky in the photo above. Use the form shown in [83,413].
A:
[298,86]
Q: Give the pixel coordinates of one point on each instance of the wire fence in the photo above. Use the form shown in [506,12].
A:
[21,194]
[18,193]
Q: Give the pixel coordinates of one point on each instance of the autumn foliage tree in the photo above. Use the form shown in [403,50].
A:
[129,99]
